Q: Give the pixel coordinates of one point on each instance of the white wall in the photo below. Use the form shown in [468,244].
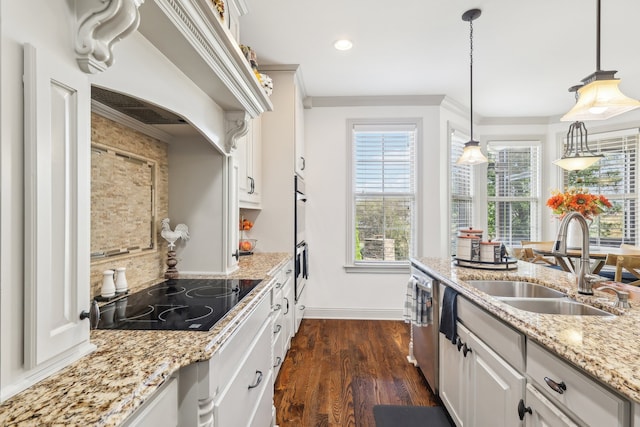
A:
[331,291]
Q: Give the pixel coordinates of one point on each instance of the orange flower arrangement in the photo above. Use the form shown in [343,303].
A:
[578,200]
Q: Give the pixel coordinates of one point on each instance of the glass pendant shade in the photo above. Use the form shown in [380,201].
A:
[600,100]
[577,155]
[471,154]
[576,163]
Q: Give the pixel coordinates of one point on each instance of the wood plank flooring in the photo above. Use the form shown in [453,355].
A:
[337,370]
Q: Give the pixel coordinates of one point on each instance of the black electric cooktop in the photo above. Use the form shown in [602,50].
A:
[179,304]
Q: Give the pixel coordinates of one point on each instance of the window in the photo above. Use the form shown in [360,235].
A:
[614,176]
[461,190]
[383,191]
[513,191]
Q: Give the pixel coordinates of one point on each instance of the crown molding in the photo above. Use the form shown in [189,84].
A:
[373,101]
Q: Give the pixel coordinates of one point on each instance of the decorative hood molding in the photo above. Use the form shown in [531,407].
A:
[237,124]
[101,24]
[190,34]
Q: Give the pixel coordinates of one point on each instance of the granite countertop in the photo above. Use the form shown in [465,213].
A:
[606,347]
[104,387]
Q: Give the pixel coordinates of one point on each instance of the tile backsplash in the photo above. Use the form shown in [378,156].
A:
[146,267]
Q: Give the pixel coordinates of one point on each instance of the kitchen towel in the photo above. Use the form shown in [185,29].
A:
[449,314]
[417,306]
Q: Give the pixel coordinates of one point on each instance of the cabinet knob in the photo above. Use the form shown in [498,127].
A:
[236,254]
[93,314]
[558,387]
[258,380]
[466,349]
[523,410]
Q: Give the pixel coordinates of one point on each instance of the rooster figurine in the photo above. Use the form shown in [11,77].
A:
[181,232]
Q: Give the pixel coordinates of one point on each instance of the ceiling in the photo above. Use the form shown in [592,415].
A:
[526,53]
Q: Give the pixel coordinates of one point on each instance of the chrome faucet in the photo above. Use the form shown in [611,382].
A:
[584,278]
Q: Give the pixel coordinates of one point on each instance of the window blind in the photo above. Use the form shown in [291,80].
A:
[513,191]
[614,176]
[384,191]
[460,189]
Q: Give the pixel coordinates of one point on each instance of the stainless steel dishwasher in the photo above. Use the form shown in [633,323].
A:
[424,334]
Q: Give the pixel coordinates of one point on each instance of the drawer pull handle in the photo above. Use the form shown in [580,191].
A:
[522,410]
[277,329]
[258,380]
[277,307]
[289,271]
[278,362]
[557,387]
[287,300]
[459,343]
[466,349]
[278,285]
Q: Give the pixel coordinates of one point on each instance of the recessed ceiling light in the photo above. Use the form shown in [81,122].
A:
[343,44]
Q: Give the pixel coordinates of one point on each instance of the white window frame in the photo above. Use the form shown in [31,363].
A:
[351,265]
[594,145]
[535,226]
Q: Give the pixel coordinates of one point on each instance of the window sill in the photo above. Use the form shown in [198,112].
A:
[379,268]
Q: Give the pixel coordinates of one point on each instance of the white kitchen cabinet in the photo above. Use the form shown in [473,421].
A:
[540,412]
[477,385]
[496,388]
[235,387]
[574,393]
[57,213]
[283,310]
[300,161]
[160,409]
[249,153]
[454,376]
[274,225]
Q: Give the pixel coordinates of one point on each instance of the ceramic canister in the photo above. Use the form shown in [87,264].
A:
[468,248]
[490,251]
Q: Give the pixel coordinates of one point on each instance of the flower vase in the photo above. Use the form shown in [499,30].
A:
[574,235]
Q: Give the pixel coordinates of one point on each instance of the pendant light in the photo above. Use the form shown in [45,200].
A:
[577,155]
[599,97]
[471,154]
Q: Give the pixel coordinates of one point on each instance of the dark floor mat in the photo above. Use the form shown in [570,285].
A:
[410,416]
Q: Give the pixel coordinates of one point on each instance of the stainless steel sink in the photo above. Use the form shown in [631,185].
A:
[514,289]
[555,306]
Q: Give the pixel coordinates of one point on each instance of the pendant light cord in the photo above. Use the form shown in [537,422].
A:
[471,75]
[598,36]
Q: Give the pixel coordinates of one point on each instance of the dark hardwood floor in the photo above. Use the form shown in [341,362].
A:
[337,370]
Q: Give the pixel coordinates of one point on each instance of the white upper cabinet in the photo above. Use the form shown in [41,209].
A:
[249,153]
[57,211]
[300,161]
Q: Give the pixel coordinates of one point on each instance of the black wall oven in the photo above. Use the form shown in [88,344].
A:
[301,248]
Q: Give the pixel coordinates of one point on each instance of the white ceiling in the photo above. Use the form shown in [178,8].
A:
[527,53]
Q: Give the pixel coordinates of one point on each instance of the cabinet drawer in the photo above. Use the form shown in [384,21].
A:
[240,399]
[583,398]
[507,342]
[224,363]
[263,415]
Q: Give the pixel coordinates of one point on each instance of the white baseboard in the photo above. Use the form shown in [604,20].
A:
[354,313]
